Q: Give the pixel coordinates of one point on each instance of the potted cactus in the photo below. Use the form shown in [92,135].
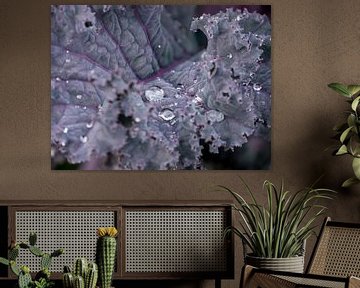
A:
[84,275]
[106,254]
[42,278]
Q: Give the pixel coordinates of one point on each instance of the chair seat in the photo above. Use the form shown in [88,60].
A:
[335,262]
[267,279]
[315,282]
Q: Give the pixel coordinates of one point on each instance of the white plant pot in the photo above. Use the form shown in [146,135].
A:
[291,264]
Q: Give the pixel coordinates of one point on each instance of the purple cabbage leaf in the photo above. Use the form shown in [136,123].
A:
[132,88]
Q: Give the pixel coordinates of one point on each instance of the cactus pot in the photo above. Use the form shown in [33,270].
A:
[291,264]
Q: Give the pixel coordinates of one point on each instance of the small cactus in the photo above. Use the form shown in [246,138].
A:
[32,238]
[68,280]
[45,261]
[42,278]
[88,273]
[79,282]
[81,266]
[24,280]
[106,254]
[36,251]
[91,276]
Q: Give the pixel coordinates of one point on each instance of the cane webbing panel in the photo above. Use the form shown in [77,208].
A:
[75,231]
[175,241]
[338,252]
[300,282]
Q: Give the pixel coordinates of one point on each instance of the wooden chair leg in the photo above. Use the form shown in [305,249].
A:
[246,274]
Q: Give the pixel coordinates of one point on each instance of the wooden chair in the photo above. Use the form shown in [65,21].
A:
[334,263]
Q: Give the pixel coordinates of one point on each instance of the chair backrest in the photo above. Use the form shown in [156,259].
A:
[337,251]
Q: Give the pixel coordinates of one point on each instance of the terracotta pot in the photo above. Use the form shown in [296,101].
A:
[291,264]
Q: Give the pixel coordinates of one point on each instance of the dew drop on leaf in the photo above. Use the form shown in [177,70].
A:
[214,116]
[257,87]
[89,124]
[83,139]
[167,115]
[79,96]
[66,129]
[154,93]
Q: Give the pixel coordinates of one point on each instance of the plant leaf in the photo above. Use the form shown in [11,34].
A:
[349,182]
[355,103]
[345,134]
[356,167]
[353,89]
[340,88]
[342,150]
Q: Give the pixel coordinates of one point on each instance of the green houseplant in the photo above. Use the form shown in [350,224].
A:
[348,133]
[42,278]
[276,233]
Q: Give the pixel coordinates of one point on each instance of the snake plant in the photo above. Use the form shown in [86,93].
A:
[279,228]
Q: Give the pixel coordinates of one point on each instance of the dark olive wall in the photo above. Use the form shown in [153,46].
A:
[314,43]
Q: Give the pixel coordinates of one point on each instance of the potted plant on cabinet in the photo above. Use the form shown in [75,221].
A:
[276,233]
[348,133]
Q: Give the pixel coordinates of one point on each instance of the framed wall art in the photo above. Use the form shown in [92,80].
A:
[158,87]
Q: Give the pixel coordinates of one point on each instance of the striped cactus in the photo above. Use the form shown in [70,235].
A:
[91,276]
[79,282]
[106,254]
[81,265]
[68,280]
[84,275]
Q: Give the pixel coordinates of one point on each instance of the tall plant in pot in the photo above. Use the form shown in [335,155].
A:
[275,233]
[348,132]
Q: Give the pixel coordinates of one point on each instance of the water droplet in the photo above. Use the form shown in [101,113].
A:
[159,46]
[201,17]
[89,124]
[79,96]
[229,56]
[67,60]
[84,107]
[57,79]
[167,115]
[248,109]
[257,87]
[63,143]
[154,93]
[67,51]
[197,100]
[214,116]
[238,18]
[66,129]
[67,81]
[137,119]
[83,139]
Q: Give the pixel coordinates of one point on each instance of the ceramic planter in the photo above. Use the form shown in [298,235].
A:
[291,264]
